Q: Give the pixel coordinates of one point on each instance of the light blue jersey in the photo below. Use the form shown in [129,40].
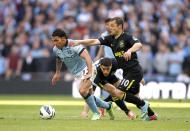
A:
[71,57]
[107,50]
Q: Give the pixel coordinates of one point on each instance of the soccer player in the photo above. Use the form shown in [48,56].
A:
[79,63]
[124,47]
[105,51]
[107,74]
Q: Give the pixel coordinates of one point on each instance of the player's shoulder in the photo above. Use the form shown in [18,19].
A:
[128,35]
[104,34]
[75,47]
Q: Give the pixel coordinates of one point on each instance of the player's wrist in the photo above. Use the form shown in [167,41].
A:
[58,73]
[129,51]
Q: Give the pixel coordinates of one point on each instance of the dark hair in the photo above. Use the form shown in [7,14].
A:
[107,20]
[118,20]
[59,33]
[105,61]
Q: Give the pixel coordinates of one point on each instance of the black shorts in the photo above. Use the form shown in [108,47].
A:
[131,80]
[101,82]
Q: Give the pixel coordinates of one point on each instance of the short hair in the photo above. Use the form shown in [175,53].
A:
[107,20]
[118,20]
[105,61]
[59,32]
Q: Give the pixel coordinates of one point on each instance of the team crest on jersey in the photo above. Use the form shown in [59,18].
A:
[121,44]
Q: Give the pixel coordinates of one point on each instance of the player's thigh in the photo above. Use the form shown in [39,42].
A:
[113,90]
[85,85]
[129,83]
[109,88]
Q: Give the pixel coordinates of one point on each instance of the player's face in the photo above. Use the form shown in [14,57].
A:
[114,28]
[105,70]
[59,42]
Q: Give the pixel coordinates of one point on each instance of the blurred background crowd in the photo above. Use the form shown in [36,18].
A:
[163,26]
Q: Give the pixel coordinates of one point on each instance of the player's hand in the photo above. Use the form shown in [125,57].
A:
[131,115]
[55,78]
[73,43]
[127,55]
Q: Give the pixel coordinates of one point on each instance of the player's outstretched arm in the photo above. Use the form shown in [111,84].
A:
[57,74]
[86,42]
[85,55]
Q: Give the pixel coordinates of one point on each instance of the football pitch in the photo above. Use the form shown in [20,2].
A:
[21,113]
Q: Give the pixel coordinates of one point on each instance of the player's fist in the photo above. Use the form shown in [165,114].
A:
[127,55]
[131,115]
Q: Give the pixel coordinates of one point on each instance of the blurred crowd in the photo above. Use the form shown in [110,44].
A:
[163,26]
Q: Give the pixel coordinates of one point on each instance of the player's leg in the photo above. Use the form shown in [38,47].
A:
[151,114]
[128,97]
[85,111]
[128,83]
[104,94]
[121,104]
[135,90]
[84,90]
[105,105]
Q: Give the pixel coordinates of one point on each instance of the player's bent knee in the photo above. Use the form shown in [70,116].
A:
[83,92]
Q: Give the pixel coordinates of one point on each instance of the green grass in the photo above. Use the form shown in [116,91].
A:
[26,118]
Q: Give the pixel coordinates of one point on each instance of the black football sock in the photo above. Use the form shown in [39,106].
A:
[122,106]
[109,98]
[150,112]
[128,97]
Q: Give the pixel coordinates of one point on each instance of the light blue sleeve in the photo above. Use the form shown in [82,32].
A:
[78,49]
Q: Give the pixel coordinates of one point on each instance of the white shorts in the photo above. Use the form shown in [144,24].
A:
[81,75]
[119,74]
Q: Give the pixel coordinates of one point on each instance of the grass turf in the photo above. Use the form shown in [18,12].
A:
[26,117]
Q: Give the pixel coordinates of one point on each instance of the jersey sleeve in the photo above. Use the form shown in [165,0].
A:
[104,40]
[132,39]
[78,49]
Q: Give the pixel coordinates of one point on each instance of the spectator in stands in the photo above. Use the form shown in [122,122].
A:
[161,60]
[175,61]
[145,58]
[14,64]
[153,22]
